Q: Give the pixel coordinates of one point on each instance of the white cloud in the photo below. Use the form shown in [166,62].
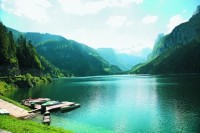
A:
[32,9]
[81,7]
[175,21]
[123,3]
[138,1]
[149,19]
[129,23]
[118,21]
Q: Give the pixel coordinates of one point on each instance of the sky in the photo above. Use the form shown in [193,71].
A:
[128,26]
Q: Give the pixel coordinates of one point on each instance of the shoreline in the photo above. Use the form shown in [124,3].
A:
[17,125]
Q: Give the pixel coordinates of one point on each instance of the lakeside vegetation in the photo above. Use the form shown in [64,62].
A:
[27,126]
[4,88]
[27,80]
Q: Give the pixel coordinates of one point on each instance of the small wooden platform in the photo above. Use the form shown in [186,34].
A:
[15,110]
[36,105]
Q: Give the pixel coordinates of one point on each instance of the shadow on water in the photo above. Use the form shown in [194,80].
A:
[179,103]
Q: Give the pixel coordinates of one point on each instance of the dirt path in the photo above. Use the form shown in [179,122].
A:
[4,131]
[14,110]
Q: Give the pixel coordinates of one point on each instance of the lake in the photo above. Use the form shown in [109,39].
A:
[124,104]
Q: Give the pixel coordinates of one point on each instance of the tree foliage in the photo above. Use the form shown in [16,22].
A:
[20,57]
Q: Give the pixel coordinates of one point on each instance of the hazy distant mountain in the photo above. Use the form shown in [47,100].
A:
[122,60]
[69,55]
[144,53]
[177,52]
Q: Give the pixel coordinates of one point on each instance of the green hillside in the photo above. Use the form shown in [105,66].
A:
[71,57]
[181,59]
[76,58]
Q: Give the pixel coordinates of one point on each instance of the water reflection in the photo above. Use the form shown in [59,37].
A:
[179,103]
[122,104]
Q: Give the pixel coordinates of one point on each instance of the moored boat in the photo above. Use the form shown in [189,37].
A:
[36,100]
[69,107]
[31,102]
[46,118]
[50,103]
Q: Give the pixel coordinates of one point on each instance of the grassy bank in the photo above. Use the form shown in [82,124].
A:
[4,87]
[28,80]
[26,126]
[14,102]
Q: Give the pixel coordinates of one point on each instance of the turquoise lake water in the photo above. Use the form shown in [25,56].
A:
[124,104]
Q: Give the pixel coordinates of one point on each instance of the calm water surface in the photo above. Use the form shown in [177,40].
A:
[125,104]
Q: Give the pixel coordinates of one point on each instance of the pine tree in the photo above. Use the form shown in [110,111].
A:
[4,43]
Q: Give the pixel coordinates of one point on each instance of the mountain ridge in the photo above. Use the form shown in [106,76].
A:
[177,52]
[75,58]
[122,60]
[182,34]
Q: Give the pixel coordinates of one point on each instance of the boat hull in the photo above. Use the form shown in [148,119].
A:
[69,108]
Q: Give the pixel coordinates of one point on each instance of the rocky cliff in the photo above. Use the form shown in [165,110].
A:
[183,34]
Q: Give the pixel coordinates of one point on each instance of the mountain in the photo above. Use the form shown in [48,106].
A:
[122,60]
[109,55]
[197,10]
[177,52]
[144,53]
[181,35]
[181,59]
[77,58]
[130,60]
[70,56]
[36,38]
[18,56]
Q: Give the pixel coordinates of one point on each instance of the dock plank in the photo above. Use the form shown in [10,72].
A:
[14,110]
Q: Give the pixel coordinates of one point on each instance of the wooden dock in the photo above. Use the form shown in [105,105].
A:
[15,110]
[37,105]
[45,106]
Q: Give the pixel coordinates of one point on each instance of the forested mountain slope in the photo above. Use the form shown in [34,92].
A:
[71,57]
